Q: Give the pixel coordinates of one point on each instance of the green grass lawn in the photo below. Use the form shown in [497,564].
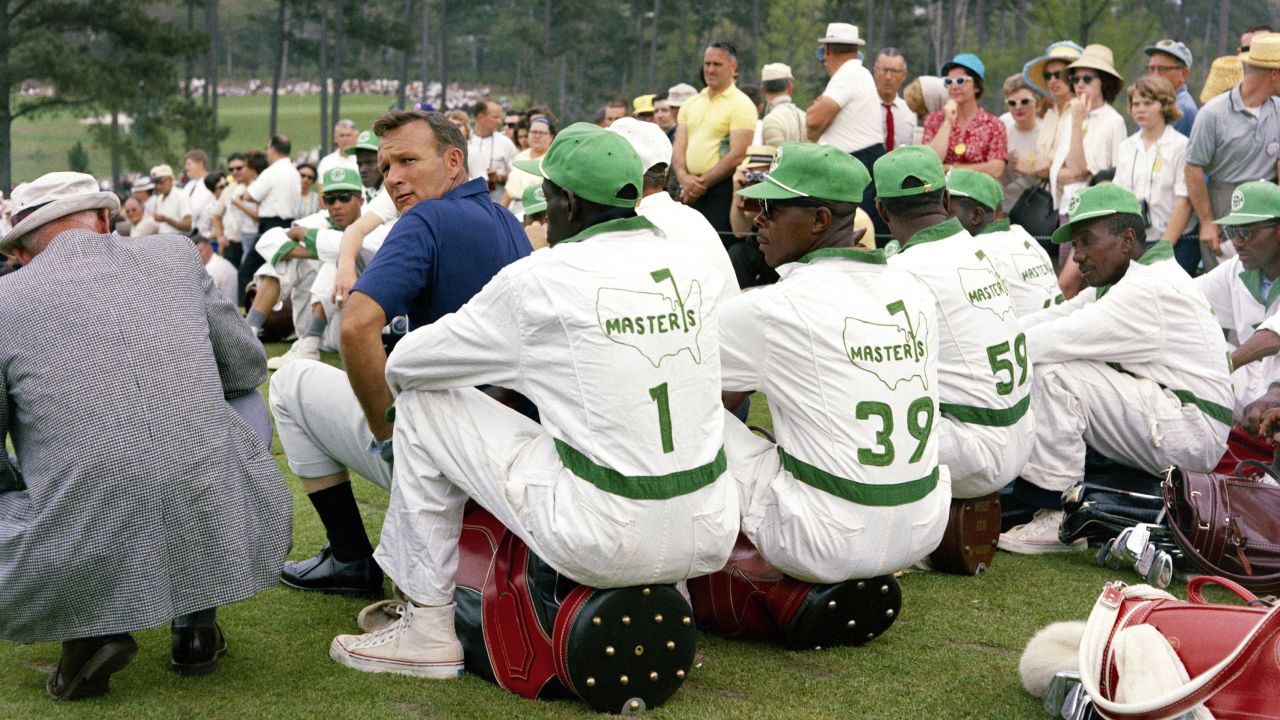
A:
[952,654]
[41,145]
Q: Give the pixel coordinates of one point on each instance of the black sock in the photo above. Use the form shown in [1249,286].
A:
[337,509]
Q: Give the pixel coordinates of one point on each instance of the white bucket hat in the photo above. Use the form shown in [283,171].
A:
[53,196]
[646,138]
[842,34]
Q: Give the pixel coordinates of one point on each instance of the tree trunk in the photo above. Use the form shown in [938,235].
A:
[212,80]
[543,80]
[6,104]
[980,15]
[282,52]
[187,71]
[1022,19]
[444,55]
[403,88]
[115,150]
[339,32]
[653,47]
[1224,25]
[424,50]
[564,83]
[869,23]
[684,39]
[324,79]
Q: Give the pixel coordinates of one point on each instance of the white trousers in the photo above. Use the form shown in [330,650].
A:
[296,275]
[983,458]
[1128,419]
[321,425]
[455,444]
[817,537]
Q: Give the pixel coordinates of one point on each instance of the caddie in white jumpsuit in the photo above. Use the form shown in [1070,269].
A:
[984,373]
[1025,266]
[612,333]
[846,349]
[1135,367]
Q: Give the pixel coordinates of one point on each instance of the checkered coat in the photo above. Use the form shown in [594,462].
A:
[147,495]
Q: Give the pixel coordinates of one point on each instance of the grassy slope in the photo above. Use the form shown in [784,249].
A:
[952,654]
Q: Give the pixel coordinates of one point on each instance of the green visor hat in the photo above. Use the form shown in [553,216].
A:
[533,200]
[811,170]
[1253,202]
[592,162]
[1095,202]
[341,178]
[366,140]
[978,186]
[895,169]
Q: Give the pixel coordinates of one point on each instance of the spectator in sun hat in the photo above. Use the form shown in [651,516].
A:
[963,134]
[1047,75]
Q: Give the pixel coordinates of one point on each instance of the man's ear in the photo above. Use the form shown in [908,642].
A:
[821,221]
[881,212]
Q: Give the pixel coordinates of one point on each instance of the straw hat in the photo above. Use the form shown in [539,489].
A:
[1097,57]
[1264,51]
[1225,73]
[1033,72]
[52,196]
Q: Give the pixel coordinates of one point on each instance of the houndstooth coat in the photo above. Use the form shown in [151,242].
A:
[147,495]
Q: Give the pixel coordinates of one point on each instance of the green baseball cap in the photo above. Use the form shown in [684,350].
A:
[894,168]
[592,162]
[1253,202]
[366,140]
[811,170]
[1095,202]
[979,186]
[533,200]
[341,179]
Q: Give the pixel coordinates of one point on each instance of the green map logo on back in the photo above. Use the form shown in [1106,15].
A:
[658,323]
[894,352]
[985,288]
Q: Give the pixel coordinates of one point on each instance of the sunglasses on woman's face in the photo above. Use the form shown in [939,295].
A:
[1055,75]
[1019,102]
[1086,79]
[960,81]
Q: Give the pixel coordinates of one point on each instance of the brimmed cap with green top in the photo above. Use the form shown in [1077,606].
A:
[533,200]
[893,169]
[341,179]
[1253,202]
[594,163]
[811,170]
[981,187]
[1095,202]
[366,140]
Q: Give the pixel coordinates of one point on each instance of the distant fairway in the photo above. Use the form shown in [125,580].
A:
[41,145]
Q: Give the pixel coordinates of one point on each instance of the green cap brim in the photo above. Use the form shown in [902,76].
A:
[1063,233]
[533,167]
[535,208]
[769,189]
[1239,218]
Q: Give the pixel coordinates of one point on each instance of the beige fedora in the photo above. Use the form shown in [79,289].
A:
[1097,57]
[52,196]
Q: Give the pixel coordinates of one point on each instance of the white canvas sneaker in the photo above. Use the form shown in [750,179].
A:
[421,643]
[307,348]
[1039,537]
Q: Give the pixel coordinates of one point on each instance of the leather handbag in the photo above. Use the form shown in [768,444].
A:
[1228,525]
[1034,211]
[1229,652]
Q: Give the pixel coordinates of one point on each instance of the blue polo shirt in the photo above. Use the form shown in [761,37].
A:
[441,253]
[1187,105]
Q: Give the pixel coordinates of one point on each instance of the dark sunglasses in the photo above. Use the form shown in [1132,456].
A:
[1018,103]
[235,168]
[769,208]
[955,81]
[343,197]
[1243,233]
[1055,75]
[1086,79]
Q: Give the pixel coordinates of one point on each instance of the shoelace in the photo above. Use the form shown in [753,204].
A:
[390,632]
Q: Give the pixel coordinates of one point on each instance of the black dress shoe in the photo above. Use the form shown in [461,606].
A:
[196,649]
[86,666]
[327,574]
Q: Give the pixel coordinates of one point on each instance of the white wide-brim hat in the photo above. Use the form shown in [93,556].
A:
[842,34]
[53,196]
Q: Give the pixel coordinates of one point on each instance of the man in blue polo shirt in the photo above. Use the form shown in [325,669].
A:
[450,240]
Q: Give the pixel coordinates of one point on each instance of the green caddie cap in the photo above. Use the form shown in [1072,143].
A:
[592,162]
[341,179]
[1253,202]
[894,168]
[366,140]
[533,200]
[1095,202]
[978,186]
[803,169]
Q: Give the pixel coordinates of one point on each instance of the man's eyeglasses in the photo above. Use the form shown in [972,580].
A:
[235,168]
[1019,102]
[769,208]
[1086,79]
[342,197]
[960,81]
[1055,75]
[1159,69]
[1243,233]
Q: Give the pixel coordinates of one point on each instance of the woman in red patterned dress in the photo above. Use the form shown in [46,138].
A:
[963,133]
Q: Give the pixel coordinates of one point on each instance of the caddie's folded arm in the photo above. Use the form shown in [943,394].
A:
[1054,312]
[1109,330]
[1218,286]
[743,350]
[241,359]
[480,344]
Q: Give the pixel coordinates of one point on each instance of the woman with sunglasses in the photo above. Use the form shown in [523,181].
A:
[541,133]
[1022,128]
[1089,142]
[1151,166]
[310,199]
[963,134]
[1047,75]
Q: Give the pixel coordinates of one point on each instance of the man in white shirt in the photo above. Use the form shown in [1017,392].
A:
[345,133]
[278,192]
[489,152]
[219,268]
[612,333]
[141,223]
[1135,368]
[848,113]
[676,220]
[200,199]
[173,214]
[890,71]
[846,349]
[783,121]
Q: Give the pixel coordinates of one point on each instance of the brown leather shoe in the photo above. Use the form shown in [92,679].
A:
[196,649]
[86,666]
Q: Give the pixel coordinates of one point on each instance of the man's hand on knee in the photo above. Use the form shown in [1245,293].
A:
[1262,416]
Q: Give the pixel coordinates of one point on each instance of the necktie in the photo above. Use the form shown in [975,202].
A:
[888,127]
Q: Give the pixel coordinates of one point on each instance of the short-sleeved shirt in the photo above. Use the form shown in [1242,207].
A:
[490,154]
[981,140]
[174,205]
[783,123]
[708,122]
[859,123]
[1104,130]
[1154,174]
[1235,145]
[1187,105]
[278,191]
[440,253]
[1023,145]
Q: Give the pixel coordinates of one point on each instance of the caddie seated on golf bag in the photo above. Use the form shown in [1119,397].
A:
[846,349]
[538,634]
